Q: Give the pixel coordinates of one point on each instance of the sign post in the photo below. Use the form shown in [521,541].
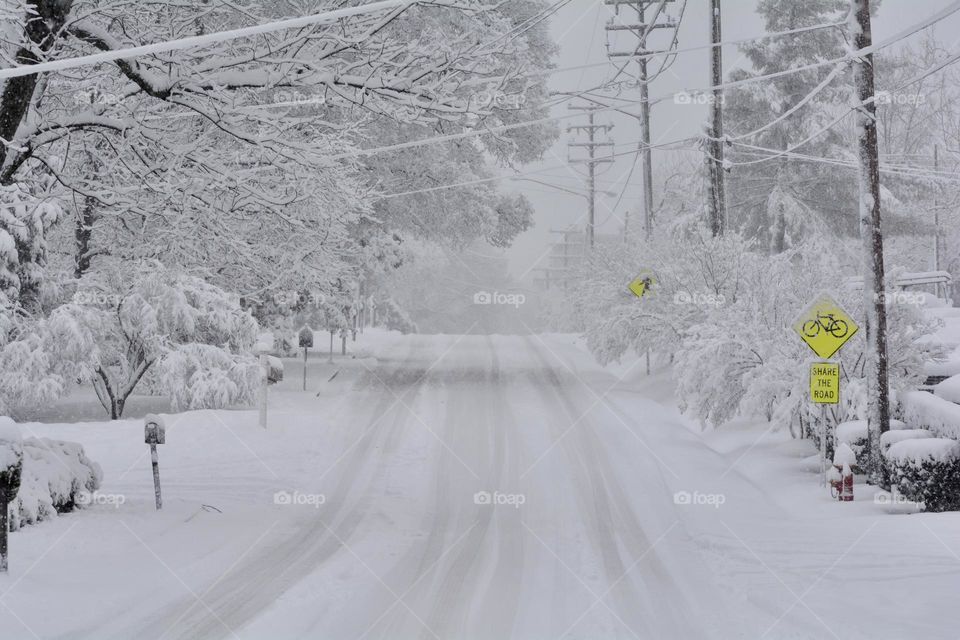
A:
[154,433]
[306,342]
[824,390]
[11,459]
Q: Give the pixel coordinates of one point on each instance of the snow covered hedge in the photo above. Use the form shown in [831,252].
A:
[55,475]
[926,470]
[890,438]
[922,409]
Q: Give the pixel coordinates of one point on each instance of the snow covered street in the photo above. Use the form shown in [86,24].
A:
[472,487]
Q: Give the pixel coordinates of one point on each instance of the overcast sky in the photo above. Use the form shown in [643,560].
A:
[579,30]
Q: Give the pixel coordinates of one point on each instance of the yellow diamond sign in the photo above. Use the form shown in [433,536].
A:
[642,284]
[825,326]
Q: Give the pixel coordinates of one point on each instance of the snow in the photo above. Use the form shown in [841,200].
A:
[936,449]
[844,456]
[925,410]
[56,476]
[385,507]
[949,389]
[891,437]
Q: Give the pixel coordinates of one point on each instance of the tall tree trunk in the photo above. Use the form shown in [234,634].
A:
[82,235]
[874,296]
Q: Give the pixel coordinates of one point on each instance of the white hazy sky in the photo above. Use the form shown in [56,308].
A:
[579,30]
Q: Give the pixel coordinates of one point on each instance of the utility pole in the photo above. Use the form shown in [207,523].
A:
[874,293]
[716,190]
[641,29]
[936,216]
[592,160]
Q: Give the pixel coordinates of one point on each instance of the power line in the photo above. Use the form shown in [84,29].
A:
[209,38]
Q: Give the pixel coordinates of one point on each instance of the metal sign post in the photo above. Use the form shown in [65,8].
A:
[154,433]
[824,390]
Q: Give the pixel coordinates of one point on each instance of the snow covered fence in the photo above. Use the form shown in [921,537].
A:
[920,409]
[57,476]
[927,470]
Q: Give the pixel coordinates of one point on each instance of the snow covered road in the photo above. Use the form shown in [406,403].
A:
[471,487]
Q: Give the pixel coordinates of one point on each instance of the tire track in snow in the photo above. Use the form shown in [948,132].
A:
[613,523]
[257,582]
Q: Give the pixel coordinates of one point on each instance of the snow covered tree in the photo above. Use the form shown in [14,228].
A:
[191,338]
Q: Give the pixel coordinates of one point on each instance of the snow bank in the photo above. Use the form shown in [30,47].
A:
[927,411]
[949,366]
[55,474]
[890,438]
[925,449]
[949,389]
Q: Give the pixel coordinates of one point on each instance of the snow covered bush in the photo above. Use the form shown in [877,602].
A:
[723,312]
[890,438]
[922,409]
[926,470]
[54,477]
[190,339]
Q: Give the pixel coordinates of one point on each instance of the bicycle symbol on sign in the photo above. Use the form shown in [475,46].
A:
[825,322]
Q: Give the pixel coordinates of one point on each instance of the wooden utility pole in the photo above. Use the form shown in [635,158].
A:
[874,293]
[641,29]
[716,190]
[592,160]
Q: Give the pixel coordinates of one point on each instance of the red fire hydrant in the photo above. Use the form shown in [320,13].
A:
[841,482]
[846,488]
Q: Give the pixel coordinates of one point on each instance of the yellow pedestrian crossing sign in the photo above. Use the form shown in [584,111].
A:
[825,326]
[825,383]
[642,284]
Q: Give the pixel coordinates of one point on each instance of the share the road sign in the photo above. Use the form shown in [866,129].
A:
[825,326]
[825,383]
[642,284]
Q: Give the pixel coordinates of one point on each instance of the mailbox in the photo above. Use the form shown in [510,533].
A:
[154,430]
[306,337]
[274,370]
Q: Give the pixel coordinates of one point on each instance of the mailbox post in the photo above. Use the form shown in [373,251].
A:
[154,433]
[11,469]
[306,341]
[272,373]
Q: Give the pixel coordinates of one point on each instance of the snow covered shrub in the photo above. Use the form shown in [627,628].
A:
[189,338]
[24,222]
[745,359]
[39,357]
[890,438]
[926,470]
[926,410]
[55,475]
